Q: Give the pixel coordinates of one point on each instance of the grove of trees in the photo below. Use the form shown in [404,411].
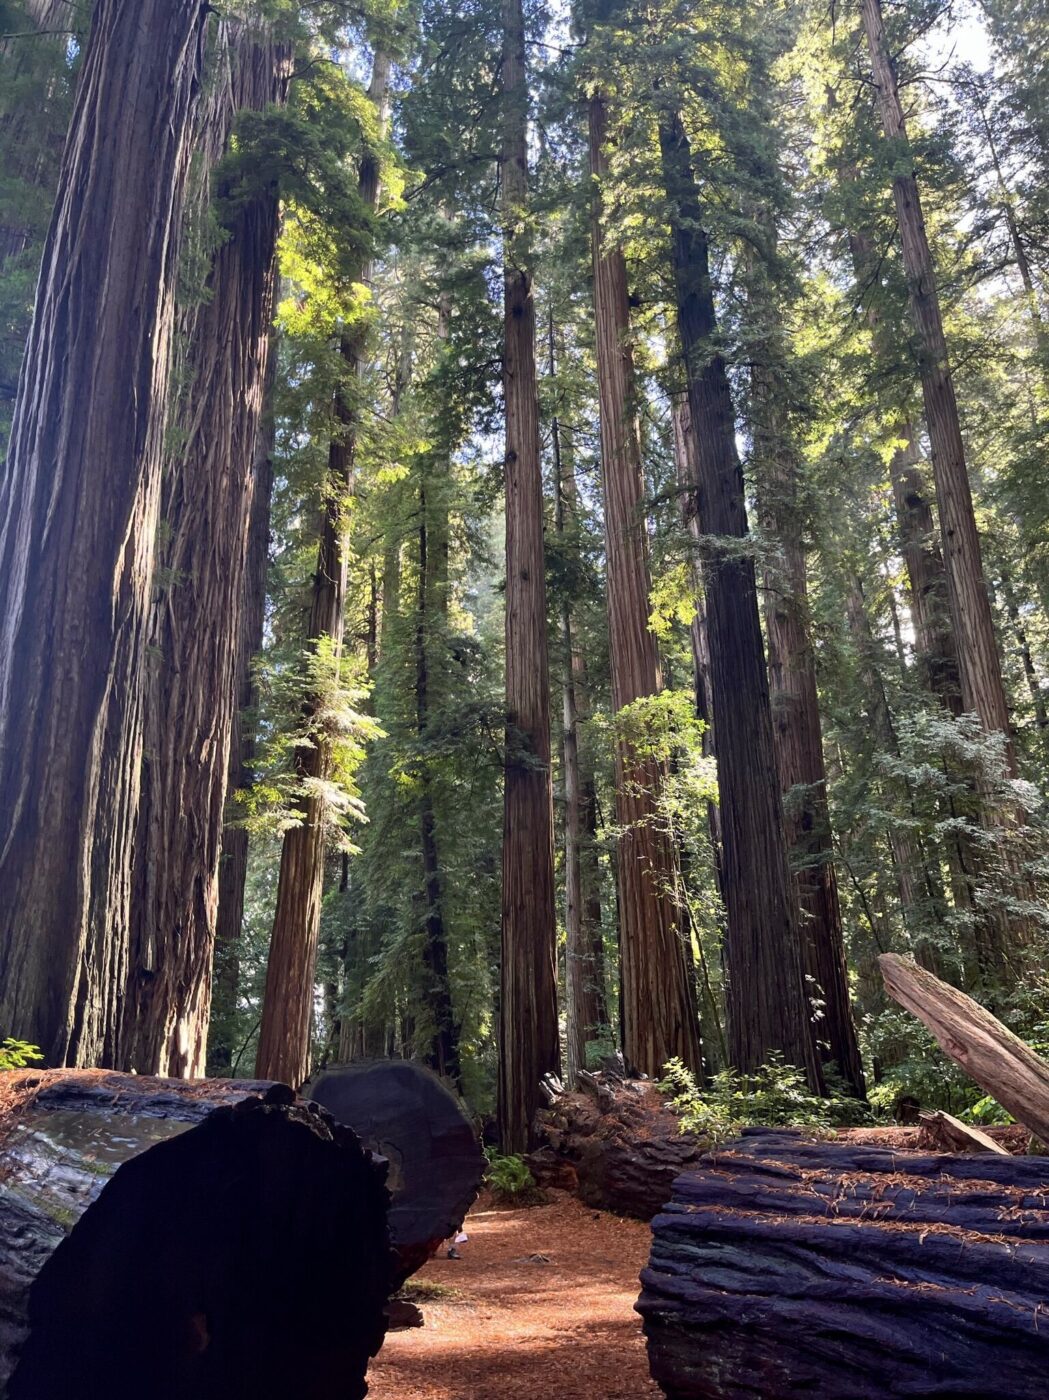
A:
[524,532]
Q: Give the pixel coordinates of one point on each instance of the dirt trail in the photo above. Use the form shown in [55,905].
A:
[503,1325]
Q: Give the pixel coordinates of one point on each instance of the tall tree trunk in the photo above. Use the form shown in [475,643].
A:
[585,1010]
[979,668]
[78,515]
[233,864]
[287,1006]
[687,473]
[528,1030]
[658,1001]
[431,622]
[767,1008]
[796,726]
[195,634]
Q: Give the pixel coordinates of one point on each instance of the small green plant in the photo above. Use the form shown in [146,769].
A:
[18,1054]
[509,1180]
[776,1095]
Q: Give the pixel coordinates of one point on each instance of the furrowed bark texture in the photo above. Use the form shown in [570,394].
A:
[206,505]
[431,624]
[78,515]
[233,862]
[794,699]
[783,1268]
[585,1009]
[287,1007]
[658,996]
[980,674]
[528,1031]
[766,1002]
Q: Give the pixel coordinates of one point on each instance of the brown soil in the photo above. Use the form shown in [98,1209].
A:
[510,1326]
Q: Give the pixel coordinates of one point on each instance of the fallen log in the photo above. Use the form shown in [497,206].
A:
[180,1240]
[946,1133]
[989,1052]
[402,1111]
[784,1267]
[622,1141]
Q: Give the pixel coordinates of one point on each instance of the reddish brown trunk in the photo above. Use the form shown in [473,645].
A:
[528,1030]
[233,864]
[207,506]
[585,1011]
[979,668]
[768,1012]
[78,515]
[658,997]
[287,1007]
[798,733]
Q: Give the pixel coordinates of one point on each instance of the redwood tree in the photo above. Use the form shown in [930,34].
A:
[206,507]
[287,1007]
[766,1000]
[658,997]
[78,516]
[978,662]
[528,1030]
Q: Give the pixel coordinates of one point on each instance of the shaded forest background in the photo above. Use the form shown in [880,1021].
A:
[523,533]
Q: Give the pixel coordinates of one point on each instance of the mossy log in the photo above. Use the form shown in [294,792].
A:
[184,1239]
[784,1267]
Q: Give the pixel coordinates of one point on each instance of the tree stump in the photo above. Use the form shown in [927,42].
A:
[622,1140]
[406,1114]
[784,1267]
[178,1239]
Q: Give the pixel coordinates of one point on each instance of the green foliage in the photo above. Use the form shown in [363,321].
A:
[17,1054]
[776,1095]
[509,1179]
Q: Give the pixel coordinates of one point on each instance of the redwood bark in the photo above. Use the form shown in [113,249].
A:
[528,1030]
[585,1010]
[287,1007]
[78,515]
[233,862]
[207,506]
[978,662]
[798,737]
[766,1001]
[658,994]
[431,620]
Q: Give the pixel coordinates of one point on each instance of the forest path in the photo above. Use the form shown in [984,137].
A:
[503,1325]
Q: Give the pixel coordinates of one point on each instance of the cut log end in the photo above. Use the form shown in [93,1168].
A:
[245,1254]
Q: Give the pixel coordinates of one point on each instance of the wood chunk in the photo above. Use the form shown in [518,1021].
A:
[952,1135]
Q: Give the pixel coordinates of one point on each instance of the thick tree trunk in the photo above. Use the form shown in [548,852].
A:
[785,1268]
[78,516]
[287,1006]
[233,862]
[207,506]
[980,674]
[528,1030]
[794,699]
[209,1221]
[768,1012]
[585,1011]
[658,997]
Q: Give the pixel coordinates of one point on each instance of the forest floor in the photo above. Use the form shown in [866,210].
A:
[540,1304]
